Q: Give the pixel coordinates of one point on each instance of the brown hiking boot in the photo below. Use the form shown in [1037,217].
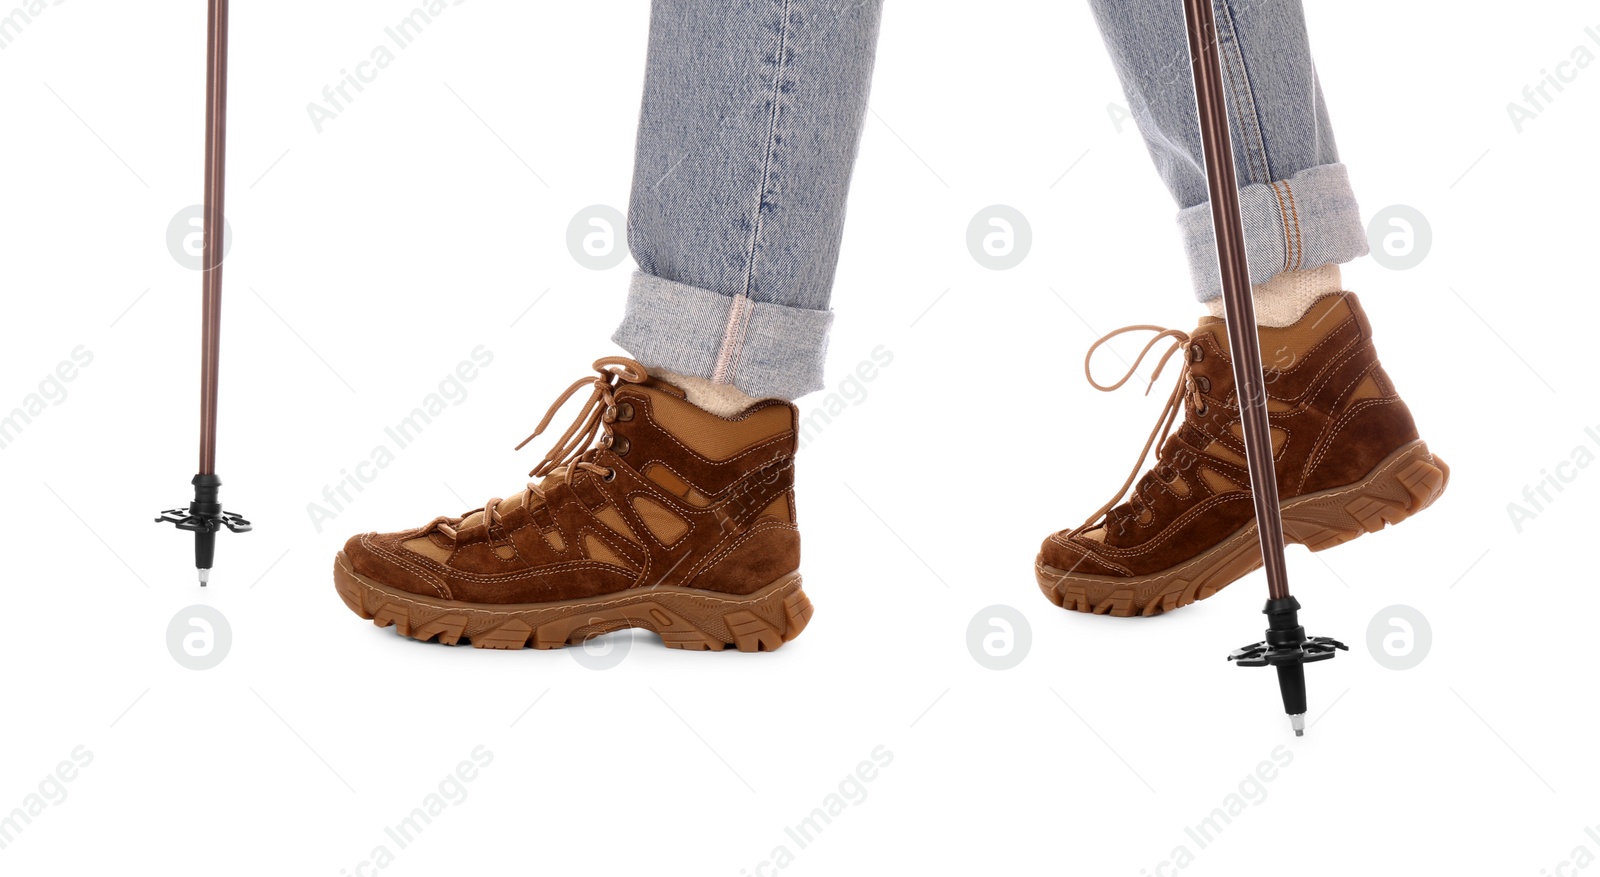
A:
[1347,454]
[676,520]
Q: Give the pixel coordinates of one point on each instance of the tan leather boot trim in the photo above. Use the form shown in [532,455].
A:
[598,550]
[1280,436]
[613,519]
[428,548]
[778,509]
[671,482]
[1216,481]
[1224,452]
[659,520]
[1321,319]
[716,438]
[1367,389]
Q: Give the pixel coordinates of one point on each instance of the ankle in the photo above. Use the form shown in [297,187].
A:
[723,400]
[1282,300]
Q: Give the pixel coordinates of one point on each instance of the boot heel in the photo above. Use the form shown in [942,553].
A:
[1405,483]
[761,622]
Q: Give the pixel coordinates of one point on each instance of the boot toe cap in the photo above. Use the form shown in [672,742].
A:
[382,558]
[1071,554]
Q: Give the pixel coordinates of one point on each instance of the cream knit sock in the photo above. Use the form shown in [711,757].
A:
[1285,298]
[723,400]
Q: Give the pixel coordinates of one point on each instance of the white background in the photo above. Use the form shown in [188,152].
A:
[371,258]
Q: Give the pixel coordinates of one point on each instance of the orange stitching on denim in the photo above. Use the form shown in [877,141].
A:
[1283,211]
[1299,245]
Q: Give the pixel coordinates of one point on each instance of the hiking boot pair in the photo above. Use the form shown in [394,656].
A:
[651,512]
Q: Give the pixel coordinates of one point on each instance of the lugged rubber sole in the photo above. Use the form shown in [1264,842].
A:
[684,618]
[1406,482]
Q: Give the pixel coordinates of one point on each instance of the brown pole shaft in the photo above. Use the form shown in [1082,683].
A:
[212,229]
[1239,306]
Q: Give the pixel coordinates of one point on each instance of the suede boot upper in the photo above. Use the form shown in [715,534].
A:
[667,495]
[1334,416]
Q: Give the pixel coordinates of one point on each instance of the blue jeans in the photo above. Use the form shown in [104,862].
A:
[752,113]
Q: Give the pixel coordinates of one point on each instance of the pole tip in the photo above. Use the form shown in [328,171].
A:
[205,576]
[1298,723]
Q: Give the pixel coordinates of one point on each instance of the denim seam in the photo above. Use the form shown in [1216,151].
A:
[733,341]
[1252,154]
[1249,118]
[732,338]
[1283,213]
[727,365]
[1249,123]
[1294,213]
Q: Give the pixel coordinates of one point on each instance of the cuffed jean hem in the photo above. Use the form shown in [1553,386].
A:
[764,349]
[1308,220]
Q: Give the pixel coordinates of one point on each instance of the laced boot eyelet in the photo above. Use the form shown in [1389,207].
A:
[619,445]
[624,411]
[1196,353]
[610,476]
[1203,382]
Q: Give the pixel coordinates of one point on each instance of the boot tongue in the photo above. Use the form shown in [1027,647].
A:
[505,505]
[650,386]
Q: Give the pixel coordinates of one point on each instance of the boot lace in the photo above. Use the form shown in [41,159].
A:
[577,447]
[1189,387]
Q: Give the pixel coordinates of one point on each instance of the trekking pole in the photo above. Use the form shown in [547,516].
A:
[205,516]
[1286,647]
